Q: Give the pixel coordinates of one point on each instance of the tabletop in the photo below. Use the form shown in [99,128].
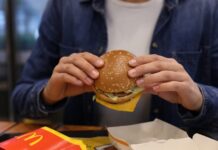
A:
[98,135]
[20,127]
[4,125]
[15,128]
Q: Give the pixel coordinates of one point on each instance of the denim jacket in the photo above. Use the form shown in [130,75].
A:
[187,30]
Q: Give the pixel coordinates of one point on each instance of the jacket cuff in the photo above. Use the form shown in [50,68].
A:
[197,119]
[44,107]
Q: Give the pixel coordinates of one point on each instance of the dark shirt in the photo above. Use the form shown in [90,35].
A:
[187,30]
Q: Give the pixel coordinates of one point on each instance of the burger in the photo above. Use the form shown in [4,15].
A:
[114,85]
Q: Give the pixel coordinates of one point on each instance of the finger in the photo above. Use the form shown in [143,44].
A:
[170,91]
[86,67]
[93,59]
[146,59]
[160,77]
[74,72]
[69,79]
[173,86]
[154,67]
[85,61]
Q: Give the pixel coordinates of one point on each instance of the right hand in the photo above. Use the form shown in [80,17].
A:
[73,75]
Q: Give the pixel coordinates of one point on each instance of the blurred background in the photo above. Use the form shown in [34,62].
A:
[19,21]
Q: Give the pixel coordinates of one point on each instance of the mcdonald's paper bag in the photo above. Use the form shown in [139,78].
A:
[40,139]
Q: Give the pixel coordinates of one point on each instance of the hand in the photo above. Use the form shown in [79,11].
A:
[72,76]
[168,79]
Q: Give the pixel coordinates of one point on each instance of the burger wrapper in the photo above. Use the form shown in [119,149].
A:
[157,135]
[127,106]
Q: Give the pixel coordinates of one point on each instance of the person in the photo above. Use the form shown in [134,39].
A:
[175,43]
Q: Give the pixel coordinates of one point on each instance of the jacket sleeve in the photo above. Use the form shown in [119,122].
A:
[206,121]
[26,97]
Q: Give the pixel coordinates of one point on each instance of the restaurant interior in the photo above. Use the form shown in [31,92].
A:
[19,23]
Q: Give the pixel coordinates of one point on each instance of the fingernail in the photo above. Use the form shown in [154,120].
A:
[140,82]
[132,73]
[132,62]
[99,62]
[94,74]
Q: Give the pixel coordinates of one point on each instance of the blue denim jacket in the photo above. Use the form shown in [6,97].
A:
[187,30]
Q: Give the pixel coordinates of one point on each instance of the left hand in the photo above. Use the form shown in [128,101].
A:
[168,79]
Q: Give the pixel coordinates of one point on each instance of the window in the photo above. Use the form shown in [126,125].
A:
[28,16]
[3,65]
[2,43]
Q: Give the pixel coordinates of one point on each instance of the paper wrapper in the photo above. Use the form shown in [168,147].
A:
[95,143]
[127,106]
[205,143]
[157,135]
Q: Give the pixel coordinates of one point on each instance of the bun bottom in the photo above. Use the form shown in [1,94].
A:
[118,100]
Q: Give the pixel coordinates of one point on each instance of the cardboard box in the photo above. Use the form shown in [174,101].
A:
[157,135]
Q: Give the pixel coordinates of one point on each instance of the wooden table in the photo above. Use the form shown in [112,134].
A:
[13,127]
[4,125]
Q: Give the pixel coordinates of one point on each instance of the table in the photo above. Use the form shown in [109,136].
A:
[14,127]
[4,125]
[11,129]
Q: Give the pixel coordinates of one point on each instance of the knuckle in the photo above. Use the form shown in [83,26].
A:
[62,59]
[176,86]
[159,65]
[73,54]
[167,75]
[180,66]
[76,58]
[155,56]
[140,58]
[172,60]
[66,67]
[85,53]
[56,68]
[186,76]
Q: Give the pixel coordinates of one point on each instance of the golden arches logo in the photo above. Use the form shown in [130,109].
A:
[29,136]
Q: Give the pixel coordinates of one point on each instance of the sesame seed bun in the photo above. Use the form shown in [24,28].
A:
[113,77]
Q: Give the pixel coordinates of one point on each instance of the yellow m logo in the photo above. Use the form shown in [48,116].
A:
[30,136]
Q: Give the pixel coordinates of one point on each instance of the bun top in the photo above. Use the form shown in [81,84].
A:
[113,76]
